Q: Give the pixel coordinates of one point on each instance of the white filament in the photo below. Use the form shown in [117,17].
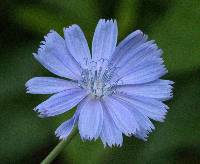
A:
[96,78]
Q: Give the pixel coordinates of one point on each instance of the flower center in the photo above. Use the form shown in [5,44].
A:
[96,78]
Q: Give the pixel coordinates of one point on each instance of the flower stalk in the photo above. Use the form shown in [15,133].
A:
[53,154]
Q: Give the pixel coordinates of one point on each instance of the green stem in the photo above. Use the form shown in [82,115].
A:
[52,155]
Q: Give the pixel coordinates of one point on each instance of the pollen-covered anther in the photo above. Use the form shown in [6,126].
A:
[96,78]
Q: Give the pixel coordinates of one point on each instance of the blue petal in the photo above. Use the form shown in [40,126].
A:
[128,45]
[77,44]
[54,56]
[142,134]
[104,40]
[136,53]
[143,74]
[159,89]
[90,119]
[144,124]
[121,115]
[110,134]
[66,127]
[149,107]
[139,63]
[61,102]
[145,53]
[48,85]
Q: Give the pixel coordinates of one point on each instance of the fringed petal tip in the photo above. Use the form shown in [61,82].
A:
[34,55]
[143,134]
[143,138]
[107,21]
[38,113]
[74,26]
[48,38]
[60,136]
[170,86]
[161,118]
[105,143]
[111,145]
[89,138]
[41,113]
[27,86]
[65,129]
[171,82]
[27,89]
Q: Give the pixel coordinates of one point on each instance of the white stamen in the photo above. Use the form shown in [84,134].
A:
[96,77]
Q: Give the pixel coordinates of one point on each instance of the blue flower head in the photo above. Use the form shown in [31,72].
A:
[117,89]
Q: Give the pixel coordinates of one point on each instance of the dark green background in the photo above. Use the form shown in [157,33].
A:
[175,25]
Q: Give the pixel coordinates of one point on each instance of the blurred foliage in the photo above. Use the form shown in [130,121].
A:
[174,25]
[178,34]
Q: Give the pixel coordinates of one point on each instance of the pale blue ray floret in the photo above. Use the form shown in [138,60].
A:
[117,89]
